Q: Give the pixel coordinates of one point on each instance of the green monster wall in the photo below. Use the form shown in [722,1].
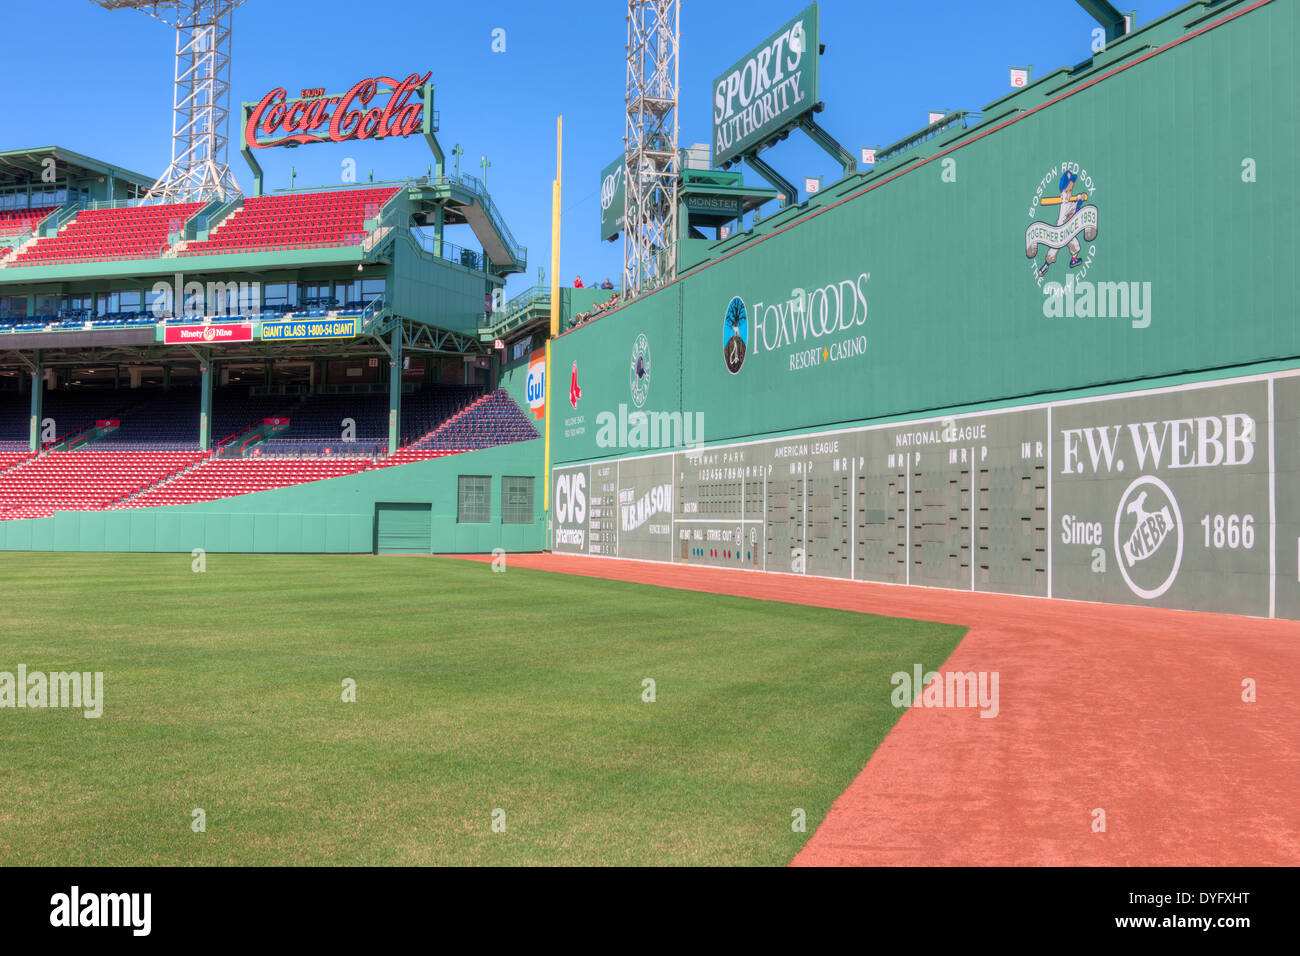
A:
[909,288]
[1121,429]
[334,516]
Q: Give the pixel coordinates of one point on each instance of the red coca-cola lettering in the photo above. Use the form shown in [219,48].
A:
[277,121]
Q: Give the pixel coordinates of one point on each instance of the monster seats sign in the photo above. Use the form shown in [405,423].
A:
[374,108]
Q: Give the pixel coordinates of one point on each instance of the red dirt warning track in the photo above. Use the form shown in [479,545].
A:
[1136,711]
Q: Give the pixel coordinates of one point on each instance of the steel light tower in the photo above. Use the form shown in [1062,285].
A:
[199,168]
[651,177]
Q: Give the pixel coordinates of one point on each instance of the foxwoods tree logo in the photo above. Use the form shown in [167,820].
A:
[35,689]
[735,335]
[814,326]
[1148,537]
[1076,214]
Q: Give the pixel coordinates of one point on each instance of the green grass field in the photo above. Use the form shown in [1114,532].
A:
[475,691]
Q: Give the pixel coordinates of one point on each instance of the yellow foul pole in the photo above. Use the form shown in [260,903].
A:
[555,308]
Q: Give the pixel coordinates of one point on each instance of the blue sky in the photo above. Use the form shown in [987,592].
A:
[885,66]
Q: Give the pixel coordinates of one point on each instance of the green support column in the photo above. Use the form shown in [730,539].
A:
[38,394]
[395,390]
[438,223]
[205,405]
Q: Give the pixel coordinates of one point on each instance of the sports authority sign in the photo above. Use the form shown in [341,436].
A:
[767,89]
[374,108]
[207,334]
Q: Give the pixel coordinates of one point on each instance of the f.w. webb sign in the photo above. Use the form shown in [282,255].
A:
[766,90]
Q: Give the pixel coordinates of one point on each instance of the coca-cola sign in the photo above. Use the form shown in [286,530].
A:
[360,113]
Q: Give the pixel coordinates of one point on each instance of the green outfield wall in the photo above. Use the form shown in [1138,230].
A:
[911,289]
[1050,354]
[338,515]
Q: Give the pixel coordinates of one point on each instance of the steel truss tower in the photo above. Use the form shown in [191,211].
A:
[650,145]
[199,169]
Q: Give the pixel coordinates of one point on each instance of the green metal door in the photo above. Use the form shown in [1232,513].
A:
[403,528]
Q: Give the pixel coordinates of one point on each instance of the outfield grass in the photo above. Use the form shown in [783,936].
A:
[475,691]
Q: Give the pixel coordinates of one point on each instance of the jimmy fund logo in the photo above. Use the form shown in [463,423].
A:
[1067,194]
[639,370]
[1075,216]
[1148,537]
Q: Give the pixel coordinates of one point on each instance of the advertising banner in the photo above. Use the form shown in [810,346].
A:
[310,329]
[768,88]
[612,190]
[535,386]
[207,334]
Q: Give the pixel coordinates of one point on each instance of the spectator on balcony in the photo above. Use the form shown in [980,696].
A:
[607,284]
[577,282]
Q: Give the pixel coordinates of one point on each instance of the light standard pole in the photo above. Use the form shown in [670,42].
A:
[458,151]
[484,164]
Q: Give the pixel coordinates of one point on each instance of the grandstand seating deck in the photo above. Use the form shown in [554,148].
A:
[127,232]
[227,477]
[153,458]
[495,419]
[404,456]
[87,480]
[18,222]
[295,221]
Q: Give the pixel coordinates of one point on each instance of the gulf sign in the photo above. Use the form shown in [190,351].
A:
[536,384]
[766,90]
[316,117]
[215,334]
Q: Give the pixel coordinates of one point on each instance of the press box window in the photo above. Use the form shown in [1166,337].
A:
[474,499]
[516,499]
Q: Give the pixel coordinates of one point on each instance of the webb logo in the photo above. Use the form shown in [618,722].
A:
[1148,537]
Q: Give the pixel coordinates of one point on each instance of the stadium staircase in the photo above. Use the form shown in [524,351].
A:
[469,197]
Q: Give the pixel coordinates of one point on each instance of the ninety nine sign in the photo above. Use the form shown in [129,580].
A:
[317,118]
[314,329]
[771,87]
[207,334]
